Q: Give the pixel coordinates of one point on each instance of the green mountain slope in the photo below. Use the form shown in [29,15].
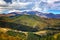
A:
[29,27]
[30,20]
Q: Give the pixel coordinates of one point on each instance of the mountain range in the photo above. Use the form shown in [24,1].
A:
[31,25]
[40,14]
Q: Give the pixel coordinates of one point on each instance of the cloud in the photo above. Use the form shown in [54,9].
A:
[53,5]
[14,6]
[2,2]
[9,11]
[19,5]
[51,1]
[13,11]
[41,5]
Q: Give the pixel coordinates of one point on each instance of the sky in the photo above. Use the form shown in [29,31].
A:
[47,6]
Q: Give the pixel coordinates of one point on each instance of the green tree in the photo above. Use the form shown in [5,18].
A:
[31,36]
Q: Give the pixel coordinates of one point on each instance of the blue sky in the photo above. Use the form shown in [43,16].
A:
[54,11]
[52,6]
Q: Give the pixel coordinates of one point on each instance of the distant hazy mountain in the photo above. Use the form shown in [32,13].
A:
[57,15]
[41,14]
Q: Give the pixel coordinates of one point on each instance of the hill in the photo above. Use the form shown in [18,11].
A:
[29,27]
[29,22]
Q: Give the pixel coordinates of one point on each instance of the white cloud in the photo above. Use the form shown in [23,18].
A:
[19,5]
[54,6]
[50,5]
[2,2]
[9,11]
[13,11]
[51,1]
[12,7]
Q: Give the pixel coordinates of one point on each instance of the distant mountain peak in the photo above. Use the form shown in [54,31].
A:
[37,13]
